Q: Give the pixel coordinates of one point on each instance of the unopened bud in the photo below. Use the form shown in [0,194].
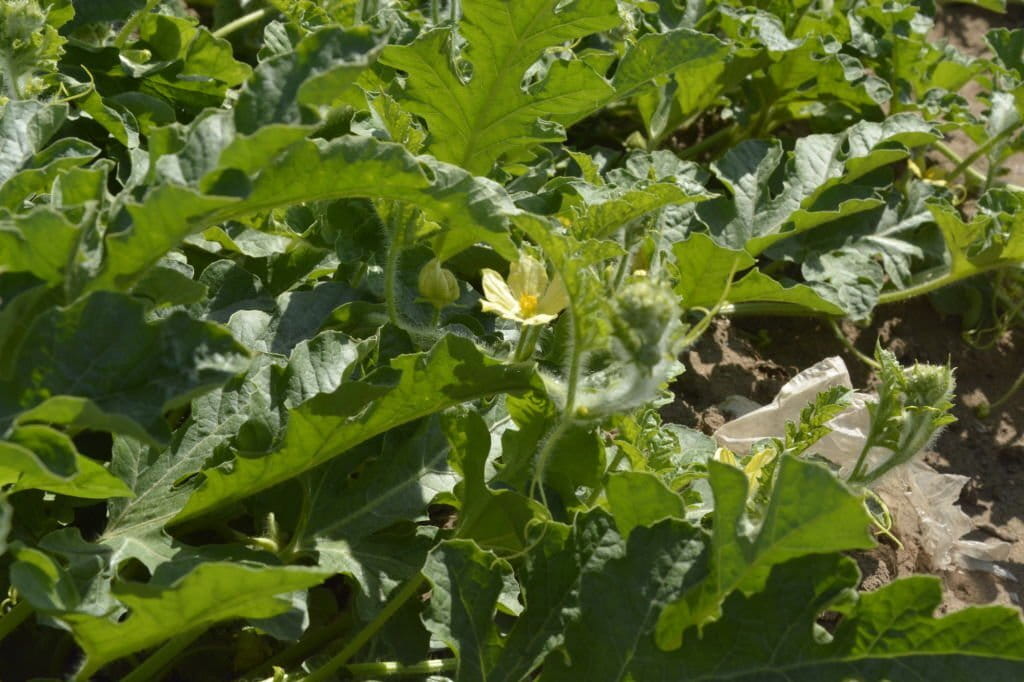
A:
[438,285]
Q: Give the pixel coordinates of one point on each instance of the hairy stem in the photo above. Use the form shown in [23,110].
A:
[528,336]
[340,660]
[133,22]
[394,254]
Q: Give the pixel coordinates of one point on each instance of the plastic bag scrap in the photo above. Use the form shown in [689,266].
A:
[921,500]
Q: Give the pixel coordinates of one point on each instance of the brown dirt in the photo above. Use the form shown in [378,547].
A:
[754,357]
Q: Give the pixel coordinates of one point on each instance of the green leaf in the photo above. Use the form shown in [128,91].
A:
[248,411]
[888,634]
[44,459]
[638,498]
[321,66]
[550,583]
[98,364]
[25,127]
[619,603]
[41,242]
[159,224]
[475,120]
[394,486]
[471,209]
[210,593]
[1009,48]
[766,207]
[494,519]
[987,241]
[809,512]
[704,270]
[417,385]
[40,170]
[466,583]
[848,278]
[659,54]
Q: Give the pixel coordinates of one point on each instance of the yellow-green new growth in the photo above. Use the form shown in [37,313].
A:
[528,297]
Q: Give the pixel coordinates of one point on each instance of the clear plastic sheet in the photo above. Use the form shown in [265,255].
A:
[921,500]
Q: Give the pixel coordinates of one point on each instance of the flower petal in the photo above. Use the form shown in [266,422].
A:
[527,276]
[539,318]
[498,297]
[555,299]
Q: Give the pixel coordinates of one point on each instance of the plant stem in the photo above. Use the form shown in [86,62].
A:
[435,11]
[15,617]
[709,141]
[154,667]
[869,361]
[528,336]
[240,23]
[933,283]
[967,161]
[970,171]
[392,669]
[769,308]
[326,671]
[11,79]
[299,651]
[1009,392]
[394,253]
[133,22]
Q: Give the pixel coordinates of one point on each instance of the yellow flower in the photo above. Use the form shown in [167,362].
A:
[528,297]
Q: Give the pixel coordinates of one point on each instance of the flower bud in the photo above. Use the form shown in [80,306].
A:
[438,285]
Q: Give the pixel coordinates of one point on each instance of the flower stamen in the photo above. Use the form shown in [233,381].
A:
[527,305]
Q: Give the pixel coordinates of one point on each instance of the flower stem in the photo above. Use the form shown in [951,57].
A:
[528,336]
[15,617]
[340,660]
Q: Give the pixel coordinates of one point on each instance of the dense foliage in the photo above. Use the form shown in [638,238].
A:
[333,333]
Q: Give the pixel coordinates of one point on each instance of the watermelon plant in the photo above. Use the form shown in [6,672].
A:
[333,333]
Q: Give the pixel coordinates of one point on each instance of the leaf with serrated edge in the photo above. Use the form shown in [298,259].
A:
[210,593]
[417,385]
